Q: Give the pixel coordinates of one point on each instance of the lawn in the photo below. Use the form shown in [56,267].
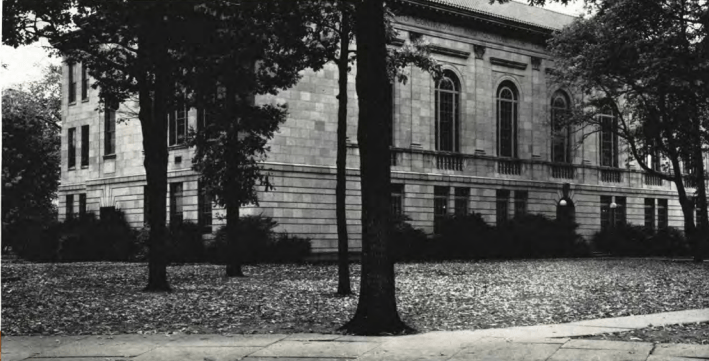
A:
[101,298]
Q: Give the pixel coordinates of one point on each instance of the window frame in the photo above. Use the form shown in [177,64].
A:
[461,201]
[502,206]
[502,138]
[71,148]
[204,209]
[397,199]
[662,213]
[69,206]
[72,83]
[564,131]
[439,94]
[82,205]
[605,205]
[177,198]
[85,145]
[84,83]
[441,195]
[621,210]
[521,203]
[109,131]
[608,138]
[174,124]
[649,212]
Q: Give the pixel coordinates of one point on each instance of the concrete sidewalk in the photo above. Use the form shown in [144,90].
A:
[546,342]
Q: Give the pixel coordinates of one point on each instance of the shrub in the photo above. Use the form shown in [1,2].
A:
[637,241]
[91,239]
[537,236]
[255,232]
[407,243]
[463,237]
[286,248]
[34,241]
[185,244]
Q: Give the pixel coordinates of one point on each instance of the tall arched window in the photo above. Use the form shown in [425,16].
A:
[507,97]
[447,118]
[560,129]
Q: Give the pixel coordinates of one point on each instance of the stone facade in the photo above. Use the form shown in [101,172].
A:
[482,50]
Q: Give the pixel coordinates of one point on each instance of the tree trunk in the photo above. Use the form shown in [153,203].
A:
[233,268]
[702,228]
[153,121]
[343,271]
[376,310]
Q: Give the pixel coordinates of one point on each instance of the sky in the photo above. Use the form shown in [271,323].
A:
[25,64]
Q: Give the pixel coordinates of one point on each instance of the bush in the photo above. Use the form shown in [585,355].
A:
[537,236]
[286,248]
[34,241]
[91,239]
[258,243]
[463,237]
[184,242]
[637,241]
[407,242]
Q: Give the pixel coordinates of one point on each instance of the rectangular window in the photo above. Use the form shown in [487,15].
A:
[521,200]
[82,205]
[84,83]
[609,141]
[440,207]
[502,204]
[109,130]
[662,221]
[205,210]
[606,211]
[397,200]
[621,211]
[177,126]
[146,204]
[650,213]
[84,145]
[72,83]
[462,197]
[176,203]
[71,140]
[69,206]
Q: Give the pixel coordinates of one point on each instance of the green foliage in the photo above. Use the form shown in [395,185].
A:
[30,156]
[286,248]
[185,243]
[637,241]
[537,236]
[464,237]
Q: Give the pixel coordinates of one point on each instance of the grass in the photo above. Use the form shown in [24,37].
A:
[693,333]
[103,298]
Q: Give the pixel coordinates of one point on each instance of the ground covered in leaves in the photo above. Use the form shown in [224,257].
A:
[694,333]
[103,298]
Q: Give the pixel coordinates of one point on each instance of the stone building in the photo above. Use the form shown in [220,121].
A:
[479,140]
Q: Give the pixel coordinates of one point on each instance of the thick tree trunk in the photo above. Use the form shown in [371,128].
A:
[343,271]
[233,268]
[153,120]
[376,310]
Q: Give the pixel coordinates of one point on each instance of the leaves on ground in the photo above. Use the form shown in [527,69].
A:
[694,333]
[104,298]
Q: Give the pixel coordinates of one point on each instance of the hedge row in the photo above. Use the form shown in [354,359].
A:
[112,239]
[466,237]
[629,240]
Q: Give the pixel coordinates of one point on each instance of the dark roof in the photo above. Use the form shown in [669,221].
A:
[511,11]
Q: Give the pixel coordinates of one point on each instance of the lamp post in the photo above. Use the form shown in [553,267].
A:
[613,207]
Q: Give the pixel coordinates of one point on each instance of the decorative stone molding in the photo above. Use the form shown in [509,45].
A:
[508,63]
[536,63]
[479,51]
[448,51]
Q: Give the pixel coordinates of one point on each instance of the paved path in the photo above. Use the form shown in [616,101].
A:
[543,343]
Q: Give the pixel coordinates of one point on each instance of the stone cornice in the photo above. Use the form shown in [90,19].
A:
[508,63]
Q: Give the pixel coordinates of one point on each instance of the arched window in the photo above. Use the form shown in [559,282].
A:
[507,120]
[447,118]
[560,130]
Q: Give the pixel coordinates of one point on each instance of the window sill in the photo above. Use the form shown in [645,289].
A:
[72,103]
[110,156]
[85,100]
[84,167]
[177,146]
[71,168]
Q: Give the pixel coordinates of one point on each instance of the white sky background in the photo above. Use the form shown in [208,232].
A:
[26,63]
